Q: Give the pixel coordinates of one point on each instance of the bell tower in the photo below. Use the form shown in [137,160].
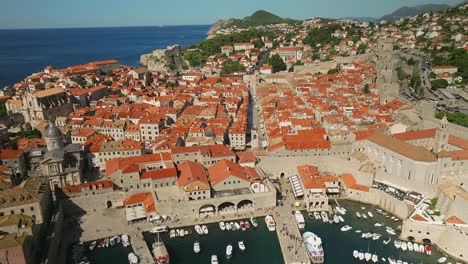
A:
[441,137]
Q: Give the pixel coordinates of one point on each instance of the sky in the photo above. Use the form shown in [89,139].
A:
[115,13]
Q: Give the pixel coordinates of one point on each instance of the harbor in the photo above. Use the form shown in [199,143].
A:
[263,246]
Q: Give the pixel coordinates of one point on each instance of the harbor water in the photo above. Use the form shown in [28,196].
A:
[263,245]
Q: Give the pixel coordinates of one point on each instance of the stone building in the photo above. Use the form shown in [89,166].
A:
[193,181]
[14,159]
[61,165]
[45,104]
[15,248]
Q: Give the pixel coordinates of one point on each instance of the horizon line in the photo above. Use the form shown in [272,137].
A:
[161,25]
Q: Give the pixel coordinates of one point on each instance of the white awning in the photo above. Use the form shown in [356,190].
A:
[333,190]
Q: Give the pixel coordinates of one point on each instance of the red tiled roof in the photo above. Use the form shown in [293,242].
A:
[159,174]
[454,220]
[104,184]
[419,218]
[350,182]
[225,169]
[146,198]
[6,154]
[413,135]
[191,172]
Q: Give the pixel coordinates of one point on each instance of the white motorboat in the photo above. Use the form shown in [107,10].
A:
[132,258]
[214,259]
[125,240]
[270,222]
[310,215]
[375,258]
[370,214]
[358,215]
[299,219]
[317,215]
[229,251]
[346,228]
[367,235]
[356,254]
[415,247]
[172,233]
[428,250]
[341,218]
[404,246]
[313,245]
[199,230]
[410,246]
[387,241]
[367,256]
[378,224]
[383,259]
[421,248]
[336,219]
[340,210]
[228,227]
[364,216]
[358,231]
[158,229]
[233,226]
[254,221]
[391,231]
[363,208]
[241,245]
[442,260]
[361,256]
[237,225]
[376,236]
[196,247]
[397,243]
[222,225]
[324,216]
[205,229]
[91,247]
[392,261]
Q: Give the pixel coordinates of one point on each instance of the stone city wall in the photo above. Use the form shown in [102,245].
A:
[79,205]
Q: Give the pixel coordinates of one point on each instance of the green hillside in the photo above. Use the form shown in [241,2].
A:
[259,18]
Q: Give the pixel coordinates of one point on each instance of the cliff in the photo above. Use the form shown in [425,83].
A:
[170,58]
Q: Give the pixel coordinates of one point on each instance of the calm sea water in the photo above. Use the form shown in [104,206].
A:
[23,52]
[263,246]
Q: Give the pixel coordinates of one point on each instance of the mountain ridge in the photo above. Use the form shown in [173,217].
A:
[409,11]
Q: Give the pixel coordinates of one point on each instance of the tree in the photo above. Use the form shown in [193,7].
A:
[108,83]
[367,89]
[400,73]
[277,63]
[432,75]
[334,70]
[440,83]
[3,113]
[230,66]
[109,73]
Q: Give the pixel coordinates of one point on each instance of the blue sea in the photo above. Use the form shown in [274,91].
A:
[26,51]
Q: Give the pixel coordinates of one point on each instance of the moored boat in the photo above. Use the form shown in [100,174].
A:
[324,216]
[310,215]
[214,259]
[442,260]
[428,250]
[387,241]
[91,247]
[242,224]
[205,229]
[241,245]
[397,243]
[378,224]
[341,218]
[404,246]
[361,255]
[376,236]
[222,225]
[410,246]
[254,221]
[336,219]
[132,258]
[346,228]
[158,229]
[314,247]
[370,214]
[196,247]
[160,252]
[270,222]
[247,224]
[237,225]
[317,215]
[375,258]
[125,240]
[355,254]
[358,215]
[367,256]
[364,215]
[229,251]
[299,219]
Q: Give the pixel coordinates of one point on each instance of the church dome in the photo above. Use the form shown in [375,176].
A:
[52,131]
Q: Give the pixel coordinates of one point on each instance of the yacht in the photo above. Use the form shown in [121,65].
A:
[364,216]
[270,222]
[341,218]
[376,236]
[254,221]
[346,228]
[397,243]
[299,219]
[404,246]
[324,217]
[370,214]
[367,256]
[199,230]
[158,229]
[196,247]
[172,233]
[375,258]
[233,226]
[229,251]
[340,210]
[391,231]
[241,245]
[336,219]
[314,247]
[214,259]
[410,246]
[421,248]
[358,215]
[361,256]
[317,215]
[222,225]
[132,258]
[355,254]
[125,240]
[205,229]
[160,252]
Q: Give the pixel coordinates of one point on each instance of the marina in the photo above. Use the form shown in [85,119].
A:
[263,246]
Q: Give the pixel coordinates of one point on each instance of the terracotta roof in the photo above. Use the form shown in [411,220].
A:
[159,174]
[145,198]
[192,176]
[6,154]
[103,184]
[419,218]
[414,135]
[122,163]
[408,150]
[454,220]
[350,182]
[246,157]
[458,142]
[225,169]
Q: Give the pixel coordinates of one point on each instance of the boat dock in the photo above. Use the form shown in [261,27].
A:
[140,248]
[289,236]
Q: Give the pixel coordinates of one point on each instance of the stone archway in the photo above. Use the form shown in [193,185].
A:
[411,238]
[227,207]
[282,175]
[427,241]
[207,209]
[108,204]
[245,204]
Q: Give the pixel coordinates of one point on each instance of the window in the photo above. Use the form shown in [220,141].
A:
[22,210]
[32,209]
[12,212]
